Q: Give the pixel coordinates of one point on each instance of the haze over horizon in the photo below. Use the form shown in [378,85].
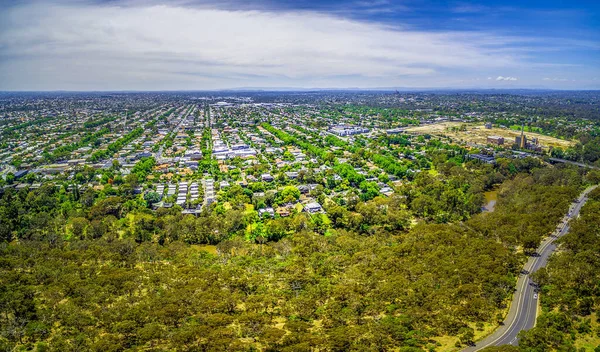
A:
[212,45]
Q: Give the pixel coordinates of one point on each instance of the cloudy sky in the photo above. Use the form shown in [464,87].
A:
[197,45]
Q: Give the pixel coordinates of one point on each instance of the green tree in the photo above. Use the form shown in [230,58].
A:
[151,198]
[79,227]
[10,178]
[290,194]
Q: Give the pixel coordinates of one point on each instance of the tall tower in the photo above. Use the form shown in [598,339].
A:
[522,145]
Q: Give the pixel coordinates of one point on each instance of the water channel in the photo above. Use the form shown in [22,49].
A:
[490,200]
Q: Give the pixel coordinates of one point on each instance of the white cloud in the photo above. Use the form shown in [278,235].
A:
[71,46]
[469,9]
[501,78]
[555,79]
[62,43]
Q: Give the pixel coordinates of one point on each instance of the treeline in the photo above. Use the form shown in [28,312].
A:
[66,149]
[586,151]
[347,171]
[98,122]
[165,115]
[167,142]
[143,168]
[389,114]
[335,141]
[529,207]
[289,139]
[397,139]
[207,164]
[35,122]
[445,199]
[116,145]
[390,165]
[304,130]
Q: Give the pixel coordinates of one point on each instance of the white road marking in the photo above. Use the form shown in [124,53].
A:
[531,264]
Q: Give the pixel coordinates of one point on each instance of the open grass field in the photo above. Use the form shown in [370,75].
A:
[477,133]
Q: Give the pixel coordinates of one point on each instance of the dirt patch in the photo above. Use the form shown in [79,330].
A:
[477,134]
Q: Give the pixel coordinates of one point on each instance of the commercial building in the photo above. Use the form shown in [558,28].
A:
[521,141]
[488,159]
[497,140]
[347,130]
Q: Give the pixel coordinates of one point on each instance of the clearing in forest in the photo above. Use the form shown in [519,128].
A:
[477,133]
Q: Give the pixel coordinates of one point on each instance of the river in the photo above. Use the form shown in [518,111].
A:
[490,200]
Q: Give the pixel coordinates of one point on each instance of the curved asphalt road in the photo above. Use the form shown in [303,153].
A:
[523,310]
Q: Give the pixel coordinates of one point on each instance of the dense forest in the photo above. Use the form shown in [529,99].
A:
[99,271]
[570,291]
[570,287]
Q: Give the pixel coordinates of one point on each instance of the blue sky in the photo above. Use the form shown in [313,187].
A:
[193,44]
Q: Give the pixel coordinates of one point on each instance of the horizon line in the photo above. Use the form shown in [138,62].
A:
[297,89]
